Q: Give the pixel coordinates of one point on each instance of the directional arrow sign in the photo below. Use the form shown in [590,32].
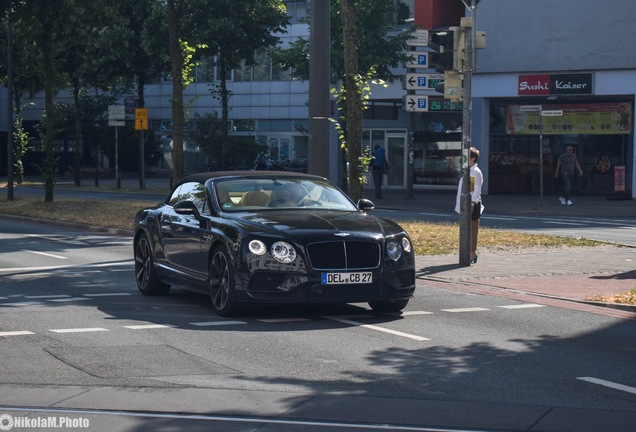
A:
[416,103]
[421,38]
[415,81]
[418,59]
[141,118]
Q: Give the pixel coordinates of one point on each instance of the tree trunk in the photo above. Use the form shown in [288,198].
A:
[353,98]
[77,145]
[225,110]
[176,61]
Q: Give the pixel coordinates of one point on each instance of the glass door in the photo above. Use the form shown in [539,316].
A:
[396,152]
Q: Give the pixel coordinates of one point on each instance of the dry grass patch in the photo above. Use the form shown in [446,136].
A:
[443,238]
[107,213]
[628,297]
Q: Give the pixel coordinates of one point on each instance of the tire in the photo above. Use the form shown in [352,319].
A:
[388,305]
[145,273]
[222,284]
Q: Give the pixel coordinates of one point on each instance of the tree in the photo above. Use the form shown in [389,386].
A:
[174,10]
[354,103]
[234,33]
[377,50]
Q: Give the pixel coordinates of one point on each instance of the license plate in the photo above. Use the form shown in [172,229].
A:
[346,278]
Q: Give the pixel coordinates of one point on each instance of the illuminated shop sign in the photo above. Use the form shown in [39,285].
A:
[590,119]
[561,84]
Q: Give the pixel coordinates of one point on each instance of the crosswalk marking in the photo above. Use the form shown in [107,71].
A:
[79,330]
[16,333]
[523,306]
[149,326]
[71,299]
[377,328]
[107,294]
[282,320]
[462,310]
[216,323]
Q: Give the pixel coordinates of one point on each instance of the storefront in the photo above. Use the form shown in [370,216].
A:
[522,135]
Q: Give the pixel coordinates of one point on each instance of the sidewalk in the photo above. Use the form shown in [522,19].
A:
[573,274]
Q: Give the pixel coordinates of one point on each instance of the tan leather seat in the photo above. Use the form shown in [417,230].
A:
[254,199]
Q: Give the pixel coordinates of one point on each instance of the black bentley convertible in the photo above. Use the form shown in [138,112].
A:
[250,237]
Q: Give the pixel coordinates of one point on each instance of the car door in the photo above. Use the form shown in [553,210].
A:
[182,235]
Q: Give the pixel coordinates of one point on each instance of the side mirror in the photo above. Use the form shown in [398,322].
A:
[186,208]
[365,204]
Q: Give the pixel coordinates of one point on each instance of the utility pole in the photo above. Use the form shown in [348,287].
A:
[320,39]
[10,196]
[468,33]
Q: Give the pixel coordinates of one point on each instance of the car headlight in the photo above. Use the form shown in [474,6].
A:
[257,247]
[283,252]
[406,244]
[393,250]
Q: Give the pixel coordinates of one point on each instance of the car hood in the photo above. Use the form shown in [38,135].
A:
[301,223]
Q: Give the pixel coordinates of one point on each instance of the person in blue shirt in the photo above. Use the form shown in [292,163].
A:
[379,167]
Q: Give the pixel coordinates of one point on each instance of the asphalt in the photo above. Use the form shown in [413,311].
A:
[566,276]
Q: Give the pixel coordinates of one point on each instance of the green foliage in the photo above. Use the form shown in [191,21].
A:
[234,153]
[378,46]
[363,88]
[20,147]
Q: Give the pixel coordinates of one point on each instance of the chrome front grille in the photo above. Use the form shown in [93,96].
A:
[344,255]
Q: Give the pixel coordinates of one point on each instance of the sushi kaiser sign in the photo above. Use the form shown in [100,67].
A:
[562,84]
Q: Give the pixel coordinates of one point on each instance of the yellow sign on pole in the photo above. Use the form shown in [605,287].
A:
[141,118]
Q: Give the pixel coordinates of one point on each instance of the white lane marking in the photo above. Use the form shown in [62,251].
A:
[565,223]
[45,254]
[32,269]
[78,266]
[245,419]
[79,330]
[522,306]
[377,328]
[107,294]
[148,326]
[282,320]
[72,299]
[47,296]
[499,218]
[20,304]
[413,313]
[16,333]
[461,310]
[609,384]
[216,323]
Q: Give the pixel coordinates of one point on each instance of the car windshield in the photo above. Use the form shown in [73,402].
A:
[257,194]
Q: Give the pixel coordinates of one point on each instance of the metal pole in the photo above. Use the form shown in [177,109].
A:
[464,202]
[10,196]
[541,156]
[142,163]
[117,175]
[320,39]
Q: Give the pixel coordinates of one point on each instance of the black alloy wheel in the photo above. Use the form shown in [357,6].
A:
[147,279]
[222,284]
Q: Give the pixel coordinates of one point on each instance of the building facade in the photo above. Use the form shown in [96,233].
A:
[554,75]
[551,75]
